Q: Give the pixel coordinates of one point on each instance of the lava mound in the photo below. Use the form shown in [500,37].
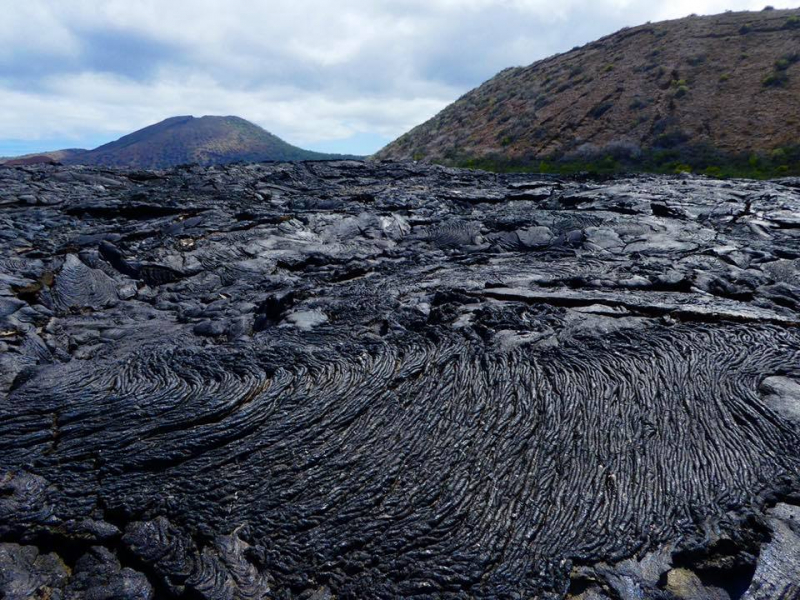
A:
[383,380]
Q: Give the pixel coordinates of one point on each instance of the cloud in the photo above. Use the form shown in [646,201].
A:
[347,75]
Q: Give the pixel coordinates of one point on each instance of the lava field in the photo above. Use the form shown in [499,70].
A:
[349,380]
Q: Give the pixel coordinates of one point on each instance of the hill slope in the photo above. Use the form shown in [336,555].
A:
[205,140]
[38,158]
[699,88]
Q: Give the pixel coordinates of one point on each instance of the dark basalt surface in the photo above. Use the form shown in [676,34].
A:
[351,380]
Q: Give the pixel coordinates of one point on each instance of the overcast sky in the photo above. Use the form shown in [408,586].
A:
[331,75]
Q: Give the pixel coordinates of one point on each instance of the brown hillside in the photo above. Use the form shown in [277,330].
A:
[55,156]
[729,81]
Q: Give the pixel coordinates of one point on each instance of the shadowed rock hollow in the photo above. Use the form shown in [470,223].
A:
[387,380]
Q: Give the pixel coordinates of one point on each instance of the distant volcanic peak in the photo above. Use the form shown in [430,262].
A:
[187,139]
[727,83]
[183,139]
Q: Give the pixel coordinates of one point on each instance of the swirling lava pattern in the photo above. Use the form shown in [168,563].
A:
[379,427]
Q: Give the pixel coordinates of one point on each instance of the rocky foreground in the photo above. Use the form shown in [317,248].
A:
[345,380]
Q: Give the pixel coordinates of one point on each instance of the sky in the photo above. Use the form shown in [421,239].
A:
[330,75]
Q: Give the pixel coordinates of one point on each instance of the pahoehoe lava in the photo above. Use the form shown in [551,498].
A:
[387,380]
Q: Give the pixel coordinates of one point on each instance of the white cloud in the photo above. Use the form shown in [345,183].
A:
[311,71]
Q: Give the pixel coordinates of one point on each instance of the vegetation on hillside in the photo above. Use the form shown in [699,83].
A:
[715,95]
[701,160]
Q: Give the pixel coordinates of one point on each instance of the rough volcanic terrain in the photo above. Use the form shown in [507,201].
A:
[728,83]
[353,380]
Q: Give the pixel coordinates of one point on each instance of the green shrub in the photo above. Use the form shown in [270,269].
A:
[699,158]
[745,29]
[608,68]
[724,77]
[776,79]
[792,22]
[782,64]
[681,91]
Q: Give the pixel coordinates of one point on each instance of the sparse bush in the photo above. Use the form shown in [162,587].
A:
[745,29]
[792,22]
[637,104]
[782,64]
[575,71]
[724,77]
[695,61]
[681,91]
[584,152]
[778,155]
[670,139]
[623,149]
[776,79]
[608,68]
[600,109]
[540,133]
[617,150]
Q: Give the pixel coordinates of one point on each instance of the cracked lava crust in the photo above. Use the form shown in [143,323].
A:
[386,380]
